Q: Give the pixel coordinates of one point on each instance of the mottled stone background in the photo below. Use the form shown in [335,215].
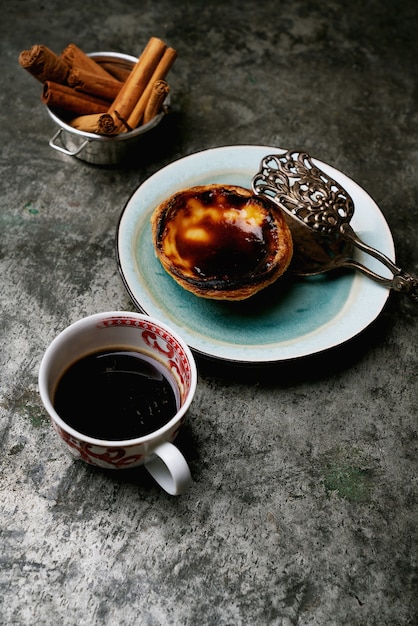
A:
[303,507]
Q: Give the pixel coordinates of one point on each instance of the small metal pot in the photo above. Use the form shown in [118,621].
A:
[101,149]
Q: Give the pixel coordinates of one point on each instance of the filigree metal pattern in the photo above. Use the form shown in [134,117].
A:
[304,191]
[315,200]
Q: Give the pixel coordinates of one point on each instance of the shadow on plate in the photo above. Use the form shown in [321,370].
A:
[317,366]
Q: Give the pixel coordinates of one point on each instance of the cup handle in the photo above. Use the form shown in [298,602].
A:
[169,469]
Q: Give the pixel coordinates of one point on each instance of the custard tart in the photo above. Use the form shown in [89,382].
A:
[221,241]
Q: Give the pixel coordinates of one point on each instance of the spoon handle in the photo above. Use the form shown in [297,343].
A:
[307,194]
[401,280]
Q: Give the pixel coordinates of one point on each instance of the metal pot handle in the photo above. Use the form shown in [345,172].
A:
[64,150]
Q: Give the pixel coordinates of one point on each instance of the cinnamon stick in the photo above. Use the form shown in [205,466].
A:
[44,64]
[118,72]
[160,72]
[137,81]
[156,99]
[75,57]
[99,123]
[63,97]
[101,86]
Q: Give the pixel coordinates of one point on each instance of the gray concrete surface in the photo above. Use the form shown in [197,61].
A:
[317,526]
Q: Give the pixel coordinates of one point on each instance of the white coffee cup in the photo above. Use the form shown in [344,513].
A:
[149,337]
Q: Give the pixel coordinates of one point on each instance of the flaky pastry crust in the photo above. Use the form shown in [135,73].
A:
[221,241]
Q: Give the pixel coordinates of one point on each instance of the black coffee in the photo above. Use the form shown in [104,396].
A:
[116,394]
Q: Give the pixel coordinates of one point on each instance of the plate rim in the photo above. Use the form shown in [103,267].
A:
[254,360]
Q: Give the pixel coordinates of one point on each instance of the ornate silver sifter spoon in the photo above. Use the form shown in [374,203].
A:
[321,211]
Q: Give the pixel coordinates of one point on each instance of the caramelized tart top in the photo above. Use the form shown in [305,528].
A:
[220,238]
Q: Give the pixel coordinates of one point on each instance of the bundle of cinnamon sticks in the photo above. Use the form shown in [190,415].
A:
[98,97]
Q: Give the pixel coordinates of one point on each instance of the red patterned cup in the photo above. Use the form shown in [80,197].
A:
[158,342]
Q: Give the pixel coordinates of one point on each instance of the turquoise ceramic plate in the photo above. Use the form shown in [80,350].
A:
[291,319]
